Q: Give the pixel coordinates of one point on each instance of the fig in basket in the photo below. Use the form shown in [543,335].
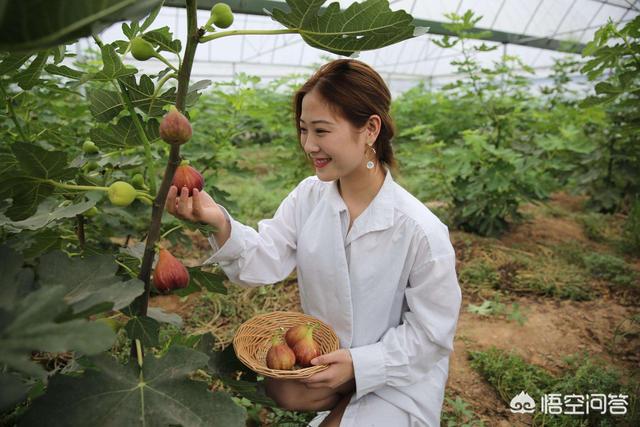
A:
[307,349]
[280,356]
[296,333]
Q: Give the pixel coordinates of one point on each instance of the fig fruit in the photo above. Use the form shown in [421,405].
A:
[91,212]
[280,355]
[169,273]
[91,166]
[138,181]
[295,334]
[186,176]
[306,349]
[142,49]
[221,15]
[175,127]
[89,147]
[121,193]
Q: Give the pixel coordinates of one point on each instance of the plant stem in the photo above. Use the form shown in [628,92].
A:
[141,303]
[141,133]
[75,187]
[124,96]
[245,32]
[171,230]
[161,83]
[12,114]
[163,59]
[80,230]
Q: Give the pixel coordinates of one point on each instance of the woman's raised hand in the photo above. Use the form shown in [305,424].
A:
[200,207]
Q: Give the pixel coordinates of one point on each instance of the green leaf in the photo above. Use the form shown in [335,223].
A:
[120,135]
[32,25]
[152,17]
[15,281]
[113,67]
[64,71]
[47,212]
[8,165]
[159,394]
[143,95]
[13,390]
[27,193]
[13,62]
[28,77]
[29,322]
[145,329]
[41,163]
[163,38]
[104,104]
[88,282]
[366,25]
[160,315]
[210,281]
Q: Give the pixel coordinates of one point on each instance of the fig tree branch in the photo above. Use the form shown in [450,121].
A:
[184,74]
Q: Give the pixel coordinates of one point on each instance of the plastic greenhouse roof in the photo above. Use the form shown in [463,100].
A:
[403,64]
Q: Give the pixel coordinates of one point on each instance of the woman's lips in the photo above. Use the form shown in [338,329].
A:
[320,163]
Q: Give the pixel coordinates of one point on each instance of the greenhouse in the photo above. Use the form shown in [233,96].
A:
[320,213]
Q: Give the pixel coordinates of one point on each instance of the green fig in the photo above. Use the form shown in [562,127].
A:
[221,15]
[138,181]
[91,212]
[121,193]
[142,49]
[89,147]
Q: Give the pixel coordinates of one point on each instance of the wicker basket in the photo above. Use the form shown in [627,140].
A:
[253,340]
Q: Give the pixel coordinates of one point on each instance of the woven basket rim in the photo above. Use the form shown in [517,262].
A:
[248,356]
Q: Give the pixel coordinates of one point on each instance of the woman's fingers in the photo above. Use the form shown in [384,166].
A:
[197,207]
[171,200]
[183,202]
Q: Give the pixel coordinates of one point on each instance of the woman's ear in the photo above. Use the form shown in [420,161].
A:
[373,125]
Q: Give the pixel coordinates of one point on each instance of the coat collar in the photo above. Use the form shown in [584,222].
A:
[377,216]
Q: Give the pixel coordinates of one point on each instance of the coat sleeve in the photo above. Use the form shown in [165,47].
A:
[406,353]
[253,258]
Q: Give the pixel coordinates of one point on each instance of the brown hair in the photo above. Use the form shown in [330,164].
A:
[355,91]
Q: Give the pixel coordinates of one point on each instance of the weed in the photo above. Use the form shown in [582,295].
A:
[610,268]
[459,414]
[594,226]
[509,374]
[630,242]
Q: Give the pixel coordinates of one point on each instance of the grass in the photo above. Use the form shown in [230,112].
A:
[509,374]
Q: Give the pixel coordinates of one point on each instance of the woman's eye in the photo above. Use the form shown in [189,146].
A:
[321,131]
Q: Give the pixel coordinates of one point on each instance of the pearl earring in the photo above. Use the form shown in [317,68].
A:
[370,164]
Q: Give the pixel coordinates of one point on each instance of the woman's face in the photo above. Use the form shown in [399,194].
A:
[336,148]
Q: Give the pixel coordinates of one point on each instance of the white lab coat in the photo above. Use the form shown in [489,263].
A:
[388,287]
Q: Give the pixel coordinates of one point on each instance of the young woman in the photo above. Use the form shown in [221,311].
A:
[372,261]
